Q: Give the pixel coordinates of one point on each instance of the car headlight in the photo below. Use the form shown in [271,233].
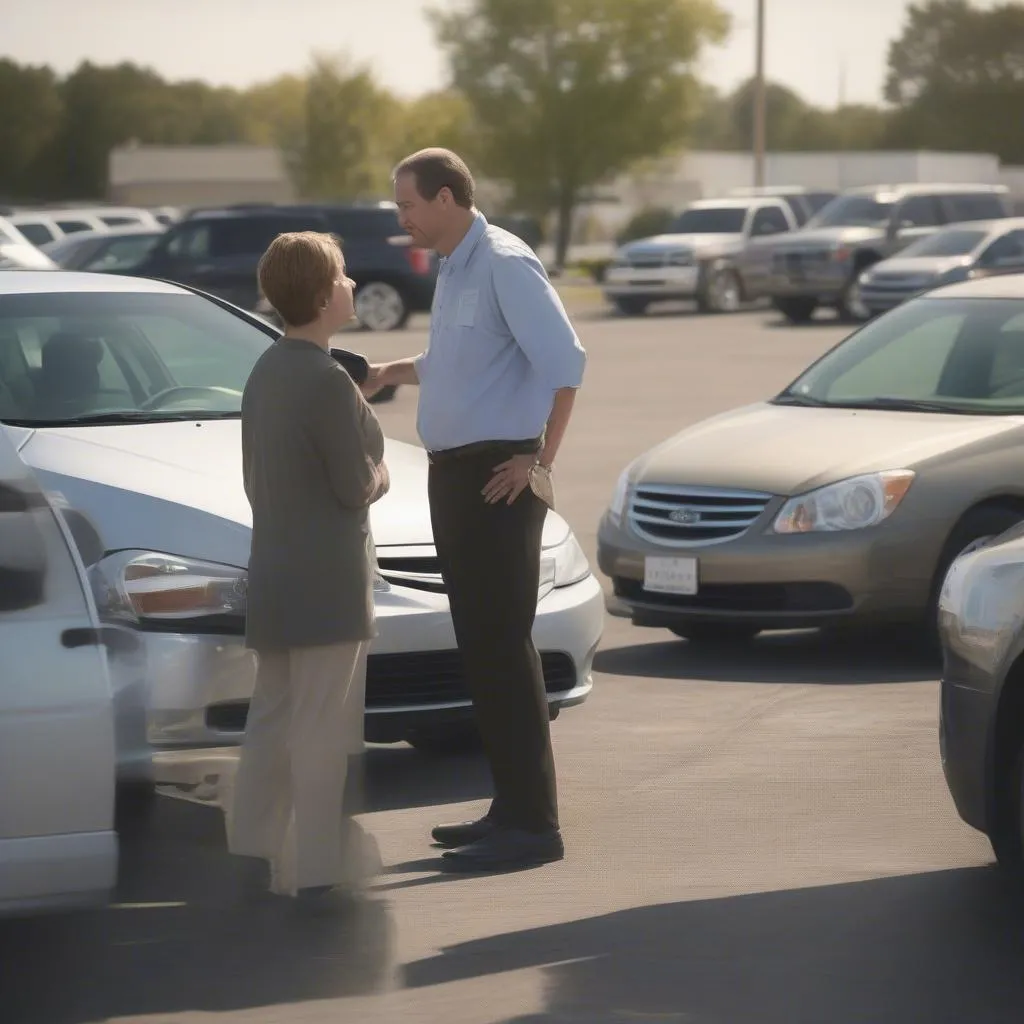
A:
[852,504]
[617,505]
[563,565]
[148,588]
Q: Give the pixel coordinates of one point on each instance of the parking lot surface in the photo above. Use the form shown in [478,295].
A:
[761,835]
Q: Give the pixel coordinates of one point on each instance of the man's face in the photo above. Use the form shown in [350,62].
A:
[424,219]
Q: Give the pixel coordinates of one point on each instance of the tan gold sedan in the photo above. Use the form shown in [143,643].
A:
[846,497]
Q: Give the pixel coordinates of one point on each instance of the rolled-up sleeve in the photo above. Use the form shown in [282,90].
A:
[537,319]
[349,437]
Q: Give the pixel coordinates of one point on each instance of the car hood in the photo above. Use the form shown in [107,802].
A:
[25,257]
[699,243]
[809,238]
[177,487]
[788,450]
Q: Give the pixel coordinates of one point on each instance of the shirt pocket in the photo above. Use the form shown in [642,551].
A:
[465,310]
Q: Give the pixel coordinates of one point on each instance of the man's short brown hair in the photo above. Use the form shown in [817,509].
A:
[297,274]
[435,169]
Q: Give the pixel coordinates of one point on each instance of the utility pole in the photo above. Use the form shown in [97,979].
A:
[759,99]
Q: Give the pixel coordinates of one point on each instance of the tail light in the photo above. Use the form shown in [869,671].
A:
[419,259]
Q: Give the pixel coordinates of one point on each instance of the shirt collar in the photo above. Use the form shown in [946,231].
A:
[461,252]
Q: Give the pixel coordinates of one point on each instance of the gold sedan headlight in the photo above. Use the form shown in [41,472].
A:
[852,504]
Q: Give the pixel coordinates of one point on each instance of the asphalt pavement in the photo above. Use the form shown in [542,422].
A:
[756,836]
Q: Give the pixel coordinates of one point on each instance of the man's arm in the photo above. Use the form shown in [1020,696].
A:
[558,424]
[383,375]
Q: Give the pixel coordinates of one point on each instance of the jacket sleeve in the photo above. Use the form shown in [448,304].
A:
[350,441]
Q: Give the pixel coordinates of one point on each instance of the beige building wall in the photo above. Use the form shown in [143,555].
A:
[200,193]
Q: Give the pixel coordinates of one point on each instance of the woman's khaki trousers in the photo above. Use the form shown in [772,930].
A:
[305,721]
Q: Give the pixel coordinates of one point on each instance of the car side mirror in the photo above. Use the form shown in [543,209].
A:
[22,552]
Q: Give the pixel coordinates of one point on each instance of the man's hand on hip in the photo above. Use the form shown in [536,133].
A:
[509,479]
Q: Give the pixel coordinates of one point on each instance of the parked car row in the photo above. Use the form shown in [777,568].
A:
[724,253]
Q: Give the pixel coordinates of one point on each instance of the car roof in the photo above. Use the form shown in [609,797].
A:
[118,231]
[926,189]
[35,282]
[1000,286]
[729,203]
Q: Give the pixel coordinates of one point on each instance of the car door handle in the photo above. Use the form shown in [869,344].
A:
[87,636]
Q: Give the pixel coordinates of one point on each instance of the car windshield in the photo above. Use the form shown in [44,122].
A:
[84,358]
[952,242]
[852,211]
[710,220]
[954,355]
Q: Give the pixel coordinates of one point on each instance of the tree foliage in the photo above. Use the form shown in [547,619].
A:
[956,78]
[567,93]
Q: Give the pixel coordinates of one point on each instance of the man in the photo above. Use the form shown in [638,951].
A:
[497,384]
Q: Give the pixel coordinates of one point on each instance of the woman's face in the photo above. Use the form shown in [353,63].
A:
[340,307]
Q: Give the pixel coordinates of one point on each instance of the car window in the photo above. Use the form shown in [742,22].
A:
[919,212]
[978,206]
[69,227]
[769,221]
[853,211]
[36,232]
[958,354]
[950,242]
[363,224]
[65,356]
[710,220]
[1007,250]
[115,220]
[190,242]
[121,253]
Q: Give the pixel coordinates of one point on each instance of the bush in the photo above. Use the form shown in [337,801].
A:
[651,220]
[593,268]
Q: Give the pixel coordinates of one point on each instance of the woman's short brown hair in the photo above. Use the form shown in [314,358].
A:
[435,169]
[297,274]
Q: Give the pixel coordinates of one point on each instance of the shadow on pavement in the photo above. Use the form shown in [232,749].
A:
[399,777]
[941,948]
[814,657]
[189,931]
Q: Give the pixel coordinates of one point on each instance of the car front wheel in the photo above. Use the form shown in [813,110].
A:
[722,292]
[797,310]
[381,307]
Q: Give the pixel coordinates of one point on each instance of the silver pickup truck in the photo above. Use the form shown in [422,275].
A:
[820,265]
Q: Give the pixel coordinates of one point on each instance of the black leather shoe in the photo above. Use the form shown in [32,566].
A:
[506,849]
[463,833]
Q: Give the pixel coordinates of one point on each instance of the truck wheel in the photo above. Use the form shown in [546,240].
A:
[851,308]
[721,292]
[796,310]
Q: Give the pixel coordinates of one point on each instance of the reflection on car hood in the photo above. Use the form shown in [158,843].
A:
[788,450]
[177,487]
[816,238]
[700,243]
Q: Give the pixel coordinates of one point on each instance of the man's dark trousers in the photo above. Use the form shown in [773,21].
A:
[490,561]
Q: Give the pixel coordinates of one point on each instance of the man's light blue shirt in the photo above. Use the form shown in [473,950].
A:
[500,345]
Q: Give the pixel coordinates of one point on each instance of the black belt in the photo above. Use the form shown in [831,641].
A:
[509,448]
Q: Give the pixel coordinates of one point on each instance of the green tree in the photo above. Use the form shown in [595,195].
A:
[350,127]
[274,114]
[442,118]
[567,93]
[31,104]
[956,77]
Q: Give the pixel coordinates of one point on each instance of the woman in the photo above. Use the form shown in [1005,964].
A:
[312,458]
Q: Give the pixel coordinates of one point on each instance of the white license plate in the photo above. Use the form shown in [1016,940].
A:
[670,575]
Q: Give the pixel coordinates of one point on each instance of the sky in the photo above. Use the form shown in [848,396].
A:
[822,49]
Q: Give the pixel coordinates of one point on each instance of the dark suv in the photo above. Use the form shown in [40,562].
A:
[821,264]
[217,251]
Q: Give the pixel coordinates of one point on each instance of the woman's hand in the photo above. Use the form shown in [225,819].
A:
[509,480]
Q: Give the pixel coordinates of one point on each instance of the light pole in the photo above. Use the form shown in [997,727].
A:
[759,98]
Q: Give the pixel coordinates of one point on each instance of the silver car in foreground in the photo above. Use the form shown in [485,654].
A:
[124,395]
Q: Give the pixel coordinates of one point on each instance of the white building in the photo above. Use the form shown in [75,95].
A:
[197,175]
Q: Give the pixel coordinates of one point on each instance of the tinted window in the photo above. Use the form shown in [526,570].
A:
[1008,249]
[364,223]
[974,207]
[769,221]
[117,220]
[191,242]
[951,242]
[919,212]
[121,253]
[726,220]
[36,233]
[69,227]
[953,352]
[853,211]
[86,354]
